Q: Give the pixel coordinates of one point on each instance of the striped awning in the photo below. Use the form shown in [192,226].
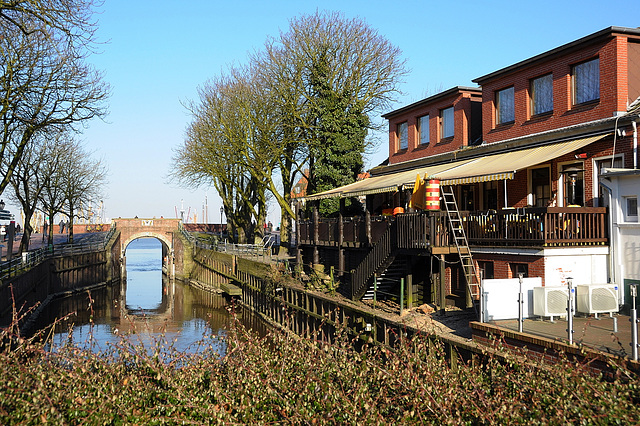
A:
[385,183]
[493,167]
[505,165]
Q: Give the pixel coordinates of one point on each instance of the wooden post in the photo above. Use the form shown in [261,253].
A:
[298,249]
[442,293]
[341,238]
[316,234]
[410,290]
[367,221]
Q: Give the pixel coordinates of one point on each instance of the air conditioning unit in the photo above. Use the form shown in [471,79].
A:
[550,301]
[597,298]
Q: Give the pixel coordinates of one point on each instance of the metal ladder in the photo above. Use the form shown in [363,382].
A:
[462,245]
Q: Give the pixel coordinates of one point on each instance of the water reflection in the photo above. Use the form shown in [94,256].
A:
[145,308]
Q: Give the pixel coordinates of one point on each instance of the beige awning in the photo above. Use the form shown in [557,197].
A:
[386,183]
[504,166]
[491,167]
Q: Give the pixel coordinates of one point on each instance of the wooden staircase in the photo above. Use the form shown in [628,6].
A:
[462,246]
[380,257]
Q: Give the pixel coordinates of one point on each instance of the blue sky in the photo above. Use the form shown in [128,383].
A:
[157,53]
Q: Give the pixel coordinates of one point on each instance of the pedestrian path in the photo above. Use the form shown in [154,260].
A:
[37,241]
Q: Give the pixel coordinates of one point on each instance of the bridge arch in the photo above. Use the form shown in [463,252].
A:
[175,247]
[147,234]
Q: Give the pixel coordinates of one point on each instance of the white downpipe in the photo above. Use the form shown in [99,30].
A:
[635,144]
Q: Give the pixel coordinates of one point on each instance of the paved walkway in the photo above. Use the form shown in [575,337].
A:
[595,333]
[37,241]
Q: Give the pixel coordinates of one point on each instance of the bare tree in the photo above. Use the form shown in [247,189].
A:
[28,180]
[71,20]
[45,82]
[227,146]
[51,199]
[330,77]
[82,179]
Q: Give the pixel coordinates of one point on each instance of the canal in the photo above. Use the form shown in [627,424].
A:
[145,308]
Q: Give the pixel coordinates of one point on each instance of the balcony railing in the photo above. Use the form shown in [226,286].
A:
[535,227]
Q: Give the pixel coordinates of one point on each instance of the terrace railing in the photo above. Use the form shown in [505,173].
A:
[535,227]
[538,226]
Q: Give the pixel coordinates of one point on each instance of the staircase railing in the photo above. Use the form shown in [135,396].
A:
[378,255]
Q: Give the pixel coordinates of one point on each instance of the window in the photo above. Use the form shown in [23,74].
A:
[446,123]
[519,268]
[402,133]
[505,106]
[467,197]
[586,81]
[423,129]
[542,94]
[573,184]
[541,187]
[486,269]
[631,209]
[609,162]
[490,195]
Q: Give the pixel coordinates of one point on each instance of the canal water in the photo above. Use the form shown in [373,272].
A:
[146,308]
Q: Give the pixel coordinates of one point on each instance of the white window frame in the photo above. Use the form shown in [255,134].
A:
[595,194]
[630,216]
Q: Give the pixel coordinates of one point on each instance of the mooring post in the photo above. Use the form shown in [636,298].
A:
[520,306]
[570,311]
[401,296]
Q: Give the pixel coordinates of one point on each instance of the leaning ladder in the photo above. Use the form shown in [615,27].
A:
[462,245]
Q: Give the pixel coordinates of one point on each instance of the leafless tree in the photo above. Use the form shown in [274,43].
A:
[82,179]
[46,84]
[28,179]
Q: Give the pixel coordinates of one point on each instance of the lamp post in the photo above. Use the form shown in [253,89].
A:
[221,212]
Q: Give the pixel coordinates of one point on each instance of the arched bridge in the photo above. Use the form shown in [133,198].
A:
[165,230]
[132,229]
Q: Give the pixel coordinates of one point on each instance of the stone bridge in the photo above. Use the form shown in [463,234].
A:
[175,252]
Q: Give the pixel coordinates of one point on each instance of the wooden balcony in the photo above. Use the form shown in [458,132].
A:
[525,227]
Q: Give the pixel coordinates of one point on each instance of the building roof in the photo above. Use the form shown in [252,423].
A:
[562,50]
[442,95]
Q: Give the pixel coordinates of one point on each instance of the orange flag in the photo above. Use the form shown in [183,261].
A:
[419,197]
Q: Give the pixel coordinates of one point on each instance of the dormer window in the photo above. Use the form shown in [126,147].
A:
[402,134]
[586,81]
[542,95]
[505,107]
[446,123]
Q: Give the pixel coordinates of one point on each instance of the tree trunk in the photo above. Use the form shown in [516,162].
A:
[71,210]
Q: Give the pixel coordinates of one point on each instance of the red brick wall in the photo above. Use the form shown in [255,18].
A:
[462,116]
[502,262]
[613,92]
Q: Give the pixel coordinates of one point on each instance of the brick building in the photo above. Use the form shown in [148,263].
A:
[523,156]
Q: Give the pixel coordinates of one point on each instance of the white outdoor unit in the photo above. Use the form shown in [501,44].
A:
[597,298]
[550,301]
